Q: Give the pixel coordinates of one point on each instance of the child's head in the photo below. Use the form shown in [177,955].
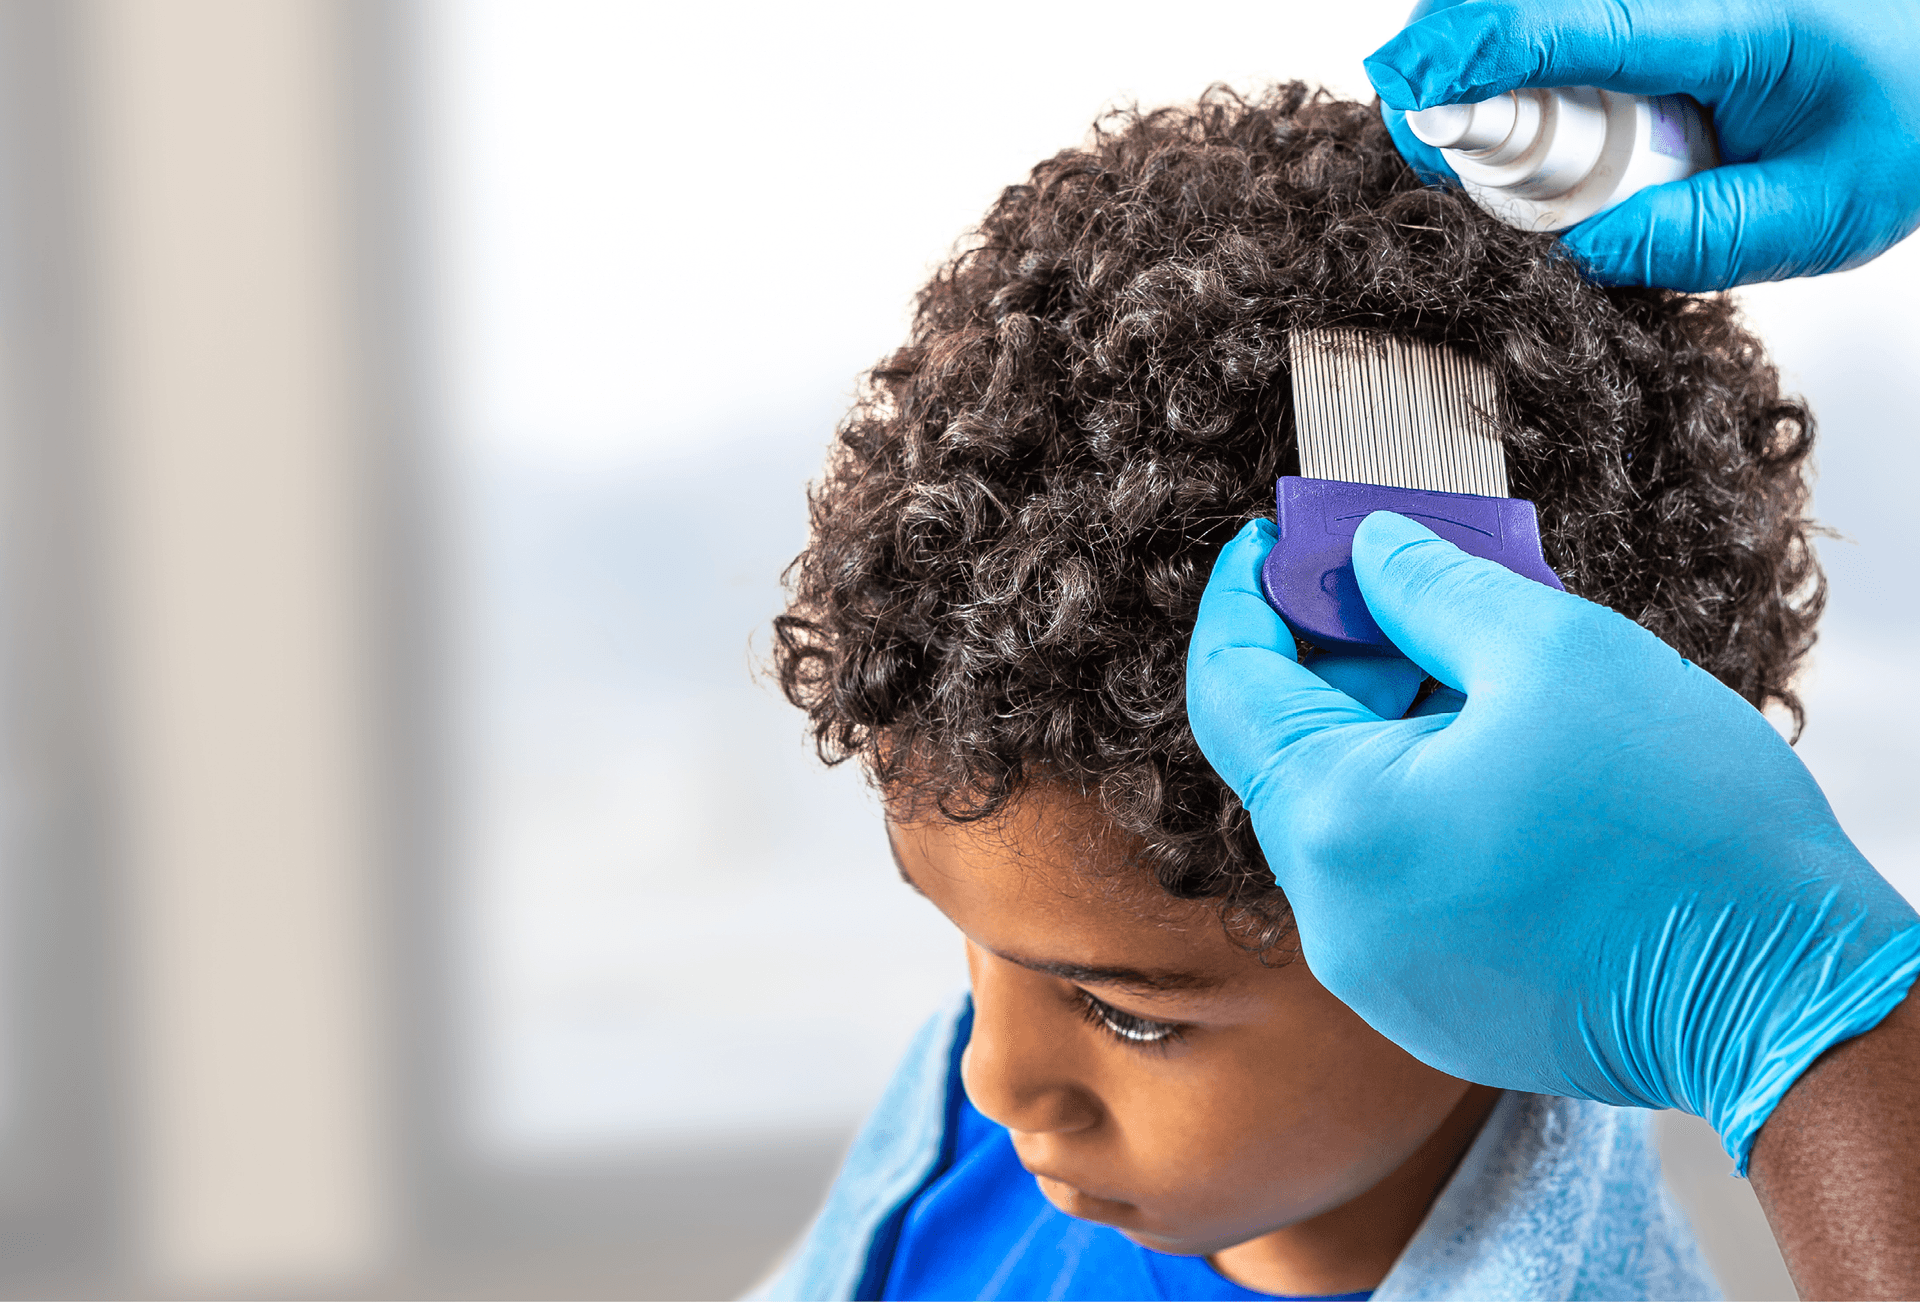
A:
[1155,1075]
[1013,532]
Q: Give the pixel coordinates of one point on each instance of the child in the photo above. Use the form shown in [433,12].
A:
[1148,1094]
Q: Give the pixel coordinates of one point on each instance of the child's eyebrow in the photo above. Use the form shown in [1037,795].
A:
[1131,978]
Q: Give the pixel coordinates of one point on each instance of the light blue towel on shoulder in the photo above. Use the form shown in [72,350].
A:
[1556,1198]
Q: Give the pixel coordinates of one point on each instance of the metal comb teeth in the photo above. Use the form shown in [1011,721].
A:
[1374,409]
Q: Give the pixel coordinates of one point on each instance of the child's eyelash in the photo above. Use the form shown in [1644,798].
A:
[1136,1032]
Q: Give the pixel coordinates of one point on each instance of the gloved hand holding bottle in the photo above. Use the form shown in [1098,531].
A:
[1816,105]
[1598,872]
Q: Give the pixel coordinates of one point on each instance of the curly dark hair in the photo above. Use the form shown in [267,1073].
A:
[1019,513]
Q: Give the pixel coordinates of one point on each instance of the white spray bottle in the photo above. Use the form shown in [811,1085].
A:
[1545,159]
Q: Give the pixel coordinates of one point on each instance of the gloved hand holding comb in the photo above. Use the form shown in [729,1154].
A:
[1601,874]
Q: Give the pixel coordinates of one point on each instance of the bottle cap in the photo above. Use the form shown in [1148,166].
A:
[1465,126]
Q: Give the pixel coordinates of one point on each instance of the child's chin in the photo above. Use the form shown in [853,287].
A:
[1127,1218]
[1087,1207]
[1181,1246]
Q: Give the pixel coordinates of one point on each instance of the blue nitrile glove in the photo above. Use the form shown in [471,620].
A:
[1602,874]
[1816,104]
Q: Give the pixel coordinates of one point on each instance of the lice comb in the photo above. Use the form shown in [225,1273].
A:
[1386,424]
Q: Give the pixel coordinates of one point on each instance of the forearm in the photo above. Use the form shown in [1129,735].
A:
[1837,1166]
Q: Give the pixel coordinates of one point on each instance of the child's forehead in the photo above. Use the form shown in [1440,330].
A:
[1065,899]
[1055,853]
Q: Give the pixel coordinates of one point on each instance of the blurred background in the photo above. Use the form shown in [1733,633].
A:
[408,888]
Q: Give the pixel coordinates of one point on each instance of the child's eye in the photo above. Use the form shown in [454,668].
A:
[1125,1027]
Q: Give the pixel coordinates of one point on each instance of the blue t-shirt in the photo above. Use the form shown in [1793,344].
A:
[983,1229]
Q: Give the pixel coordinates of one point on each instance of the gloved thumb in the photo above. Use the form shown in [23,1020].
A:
[1473,624]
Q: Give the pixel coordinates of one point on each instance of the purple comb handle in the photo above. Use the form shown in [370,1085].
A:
[1309,576]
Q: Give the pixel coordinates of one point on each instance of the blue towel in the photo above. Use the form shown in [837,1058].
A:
[1556,1198]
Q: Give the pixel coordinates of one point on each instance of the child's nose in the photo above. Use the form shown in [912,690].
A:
[1018,1067]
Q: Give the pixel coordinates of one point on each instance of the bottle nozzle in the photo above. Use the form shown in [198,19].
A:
[1466,127]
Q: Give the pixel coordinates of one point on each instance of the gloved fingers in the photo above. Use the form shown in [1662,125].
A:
[1386,685]
[1441,700]
[1471,51]
[1428,163]
[1469,622]
[1248,699]
[1730,225]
